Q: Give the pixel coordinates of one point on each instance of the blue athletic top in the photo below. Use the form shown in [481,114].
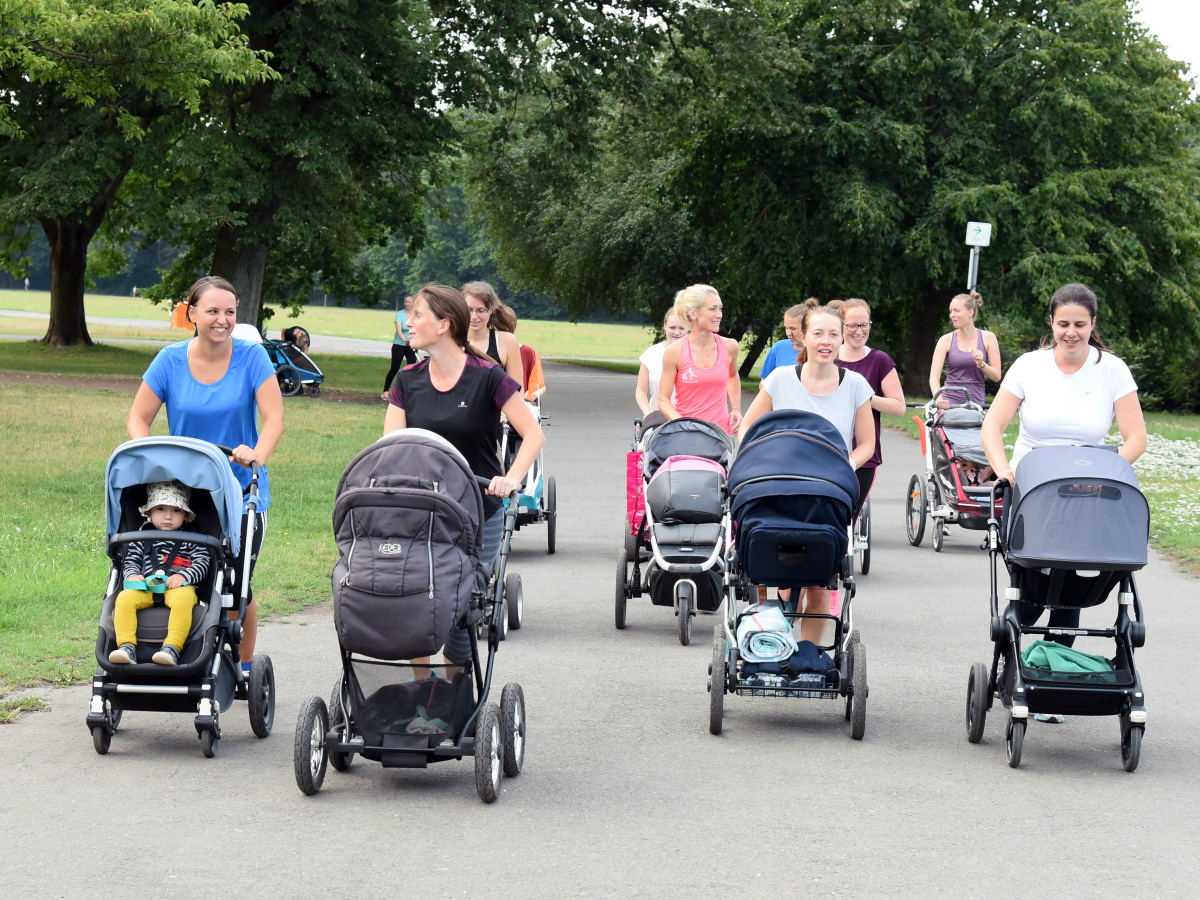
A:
[781,355]
[224,412]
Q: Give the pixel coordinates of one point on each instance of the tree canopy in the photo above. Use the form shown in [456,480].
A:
[782,149]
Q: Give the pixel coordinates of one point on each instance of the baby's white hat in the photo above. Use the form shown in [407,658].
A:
[168,493]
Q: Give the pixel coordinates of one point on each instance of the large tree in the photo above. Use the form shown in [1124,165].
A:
[88,86]
[284,182]
[840,149]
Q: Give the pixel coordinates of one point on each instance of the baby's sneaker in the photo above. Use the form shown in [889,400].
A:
[124,655]
[167,656]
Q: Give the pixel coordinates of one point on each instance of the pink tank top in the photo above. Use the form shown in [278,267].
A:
[703,393]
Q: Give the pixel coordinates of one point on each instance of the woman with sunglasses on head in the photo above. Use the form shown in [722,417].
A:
[492,327]
[880,372]
[214,387]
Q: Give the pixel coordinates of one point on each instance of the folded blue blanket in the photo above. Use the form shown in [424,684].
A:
[764,634]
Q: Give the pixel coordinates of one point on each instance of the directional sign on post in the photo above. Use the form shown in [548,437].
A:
[979,234]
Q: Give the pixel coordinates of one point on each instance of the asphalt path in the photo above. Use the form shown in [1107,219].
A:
[624,792]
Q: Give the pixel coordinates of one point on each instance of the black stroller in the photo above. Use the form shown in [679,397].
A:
[209,676]
[409,525]
[1076,527]
[682,535]
[792,493]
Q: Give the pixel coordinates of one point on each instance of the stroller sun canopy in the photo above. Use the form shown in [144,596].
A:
[1077,507]
[688,437]
[198,464]
[792,445]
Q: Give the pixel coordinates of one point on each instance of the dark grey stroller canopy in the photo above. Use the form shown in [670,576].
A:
[1077,508]
[408,518]
[688,437]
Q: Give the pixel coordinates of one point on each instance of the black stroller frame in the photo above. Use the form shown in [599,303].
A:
[1021,689]
[849,653]
[495,737]
[209,676]
[934,495]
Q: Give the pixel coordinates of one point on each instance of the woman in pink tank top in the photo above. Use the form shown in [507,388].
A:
[701,369]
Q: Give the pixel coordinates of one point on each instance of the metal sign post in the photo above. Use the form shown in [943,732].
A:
[979,234]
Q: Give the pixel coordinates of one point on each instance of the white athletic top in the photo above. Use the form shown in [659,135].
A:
[652,359]
[1057,408]
[840,407]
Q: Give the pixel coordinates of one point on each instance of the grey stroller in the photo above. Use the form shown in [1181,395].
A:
[408,518]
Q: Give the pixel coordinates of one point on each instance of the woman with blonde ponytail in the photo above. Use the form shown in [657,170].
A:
[699,374]
[970,354]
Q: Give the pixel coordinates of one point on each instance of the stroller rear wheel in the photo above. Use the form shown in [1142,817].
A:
[977,702]
[262,695]
[337,716]
[512,728]
[858,691]
[489,751]
[309,755]
[716,682]
[1014,741]
[915,508]
[289,380]
[631,541]
[551,513]
[622,596]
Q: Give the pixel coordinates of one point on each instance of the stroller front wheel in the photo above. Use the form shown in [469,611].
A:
[262,695]
[1014,741]
[489,751]
[309,756]
[916,509]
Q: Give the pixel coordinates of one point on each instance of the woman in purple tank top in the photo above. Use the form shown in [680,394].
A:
[969,354]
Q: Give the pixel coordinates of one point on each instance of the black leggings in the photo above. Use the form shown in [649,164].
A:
[402,355]
[866,478]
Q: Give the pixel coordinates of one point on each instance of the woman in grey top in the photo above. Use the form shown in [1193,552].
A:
[818,385]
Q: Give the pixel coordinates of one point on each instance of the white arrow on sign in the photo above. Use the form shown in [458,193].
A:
[979,234]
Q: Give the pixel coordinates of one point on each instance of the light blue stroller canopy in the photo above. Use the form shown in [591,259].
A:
[197,464]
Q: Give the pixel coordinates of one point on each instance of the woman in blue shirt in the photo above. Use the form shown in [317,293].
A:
[212,386]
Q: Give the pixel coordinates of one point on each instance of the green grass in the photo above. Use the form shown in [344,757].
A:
[52,563]
[11,710]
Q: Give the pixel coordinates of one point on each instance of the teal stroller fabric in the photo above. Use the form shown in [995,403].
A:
[1058,658]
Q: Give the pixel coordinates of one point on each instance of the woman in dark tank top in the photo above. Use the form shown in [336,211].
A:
[492,327]
[969,354]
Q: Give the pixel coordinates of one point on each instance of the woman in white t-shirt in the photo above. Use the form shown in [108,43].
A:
[817,384]
[650,373]
[1067,393]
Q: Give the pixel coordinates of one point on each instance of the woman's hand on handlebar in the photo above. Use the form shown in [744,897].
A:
[502,486]
[242,455]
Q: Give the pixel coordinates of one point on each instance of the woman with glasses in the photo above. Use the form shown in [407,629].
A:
[492,327]
[969,354]
[880,372]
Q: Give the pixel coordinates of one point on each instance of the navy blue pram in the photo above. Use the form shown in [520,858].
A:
[792,493]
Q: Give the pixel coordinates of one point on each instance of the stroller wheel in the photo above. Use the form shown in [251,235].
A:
[863,535]
[101,739]
[939,535]
[289,380]
[1131,744]
[262,695]
[716,682]
[551,501]
[622,598]
[514,601]
[208,742]
[500,622]
[116,719]
[858,691]
[631,541]
[685,613]
[512,728]
[309,754]
[915,508]
[1014,741]
[337,716]
[977,702]
[489,751]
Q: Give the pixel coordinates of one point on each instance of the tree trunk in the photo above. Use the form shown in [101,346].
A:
[68,241]
[761,338]
[927,325]
[242,264]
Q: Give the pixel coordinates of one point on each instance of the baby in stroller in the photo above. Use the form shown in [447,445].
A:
[163,568]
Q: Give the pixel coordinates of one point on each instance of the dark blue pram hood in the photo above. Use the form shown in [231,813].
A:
[791,451]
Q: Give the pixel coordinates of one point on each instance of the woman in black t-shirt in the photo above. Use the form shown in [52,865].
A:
[459,394]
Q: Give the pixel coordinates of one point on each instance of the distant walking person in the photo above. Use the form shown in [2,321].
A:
[650,372]
[968,353]
[402,354]
[699,376]
[26,284]
[784,352]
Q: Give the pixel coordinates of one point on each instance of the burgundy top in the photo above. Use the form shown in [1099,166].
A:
[874,367]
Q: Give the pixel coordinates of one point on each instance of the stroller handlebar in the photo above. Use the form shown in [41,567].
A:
[254,467]
[487,482]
